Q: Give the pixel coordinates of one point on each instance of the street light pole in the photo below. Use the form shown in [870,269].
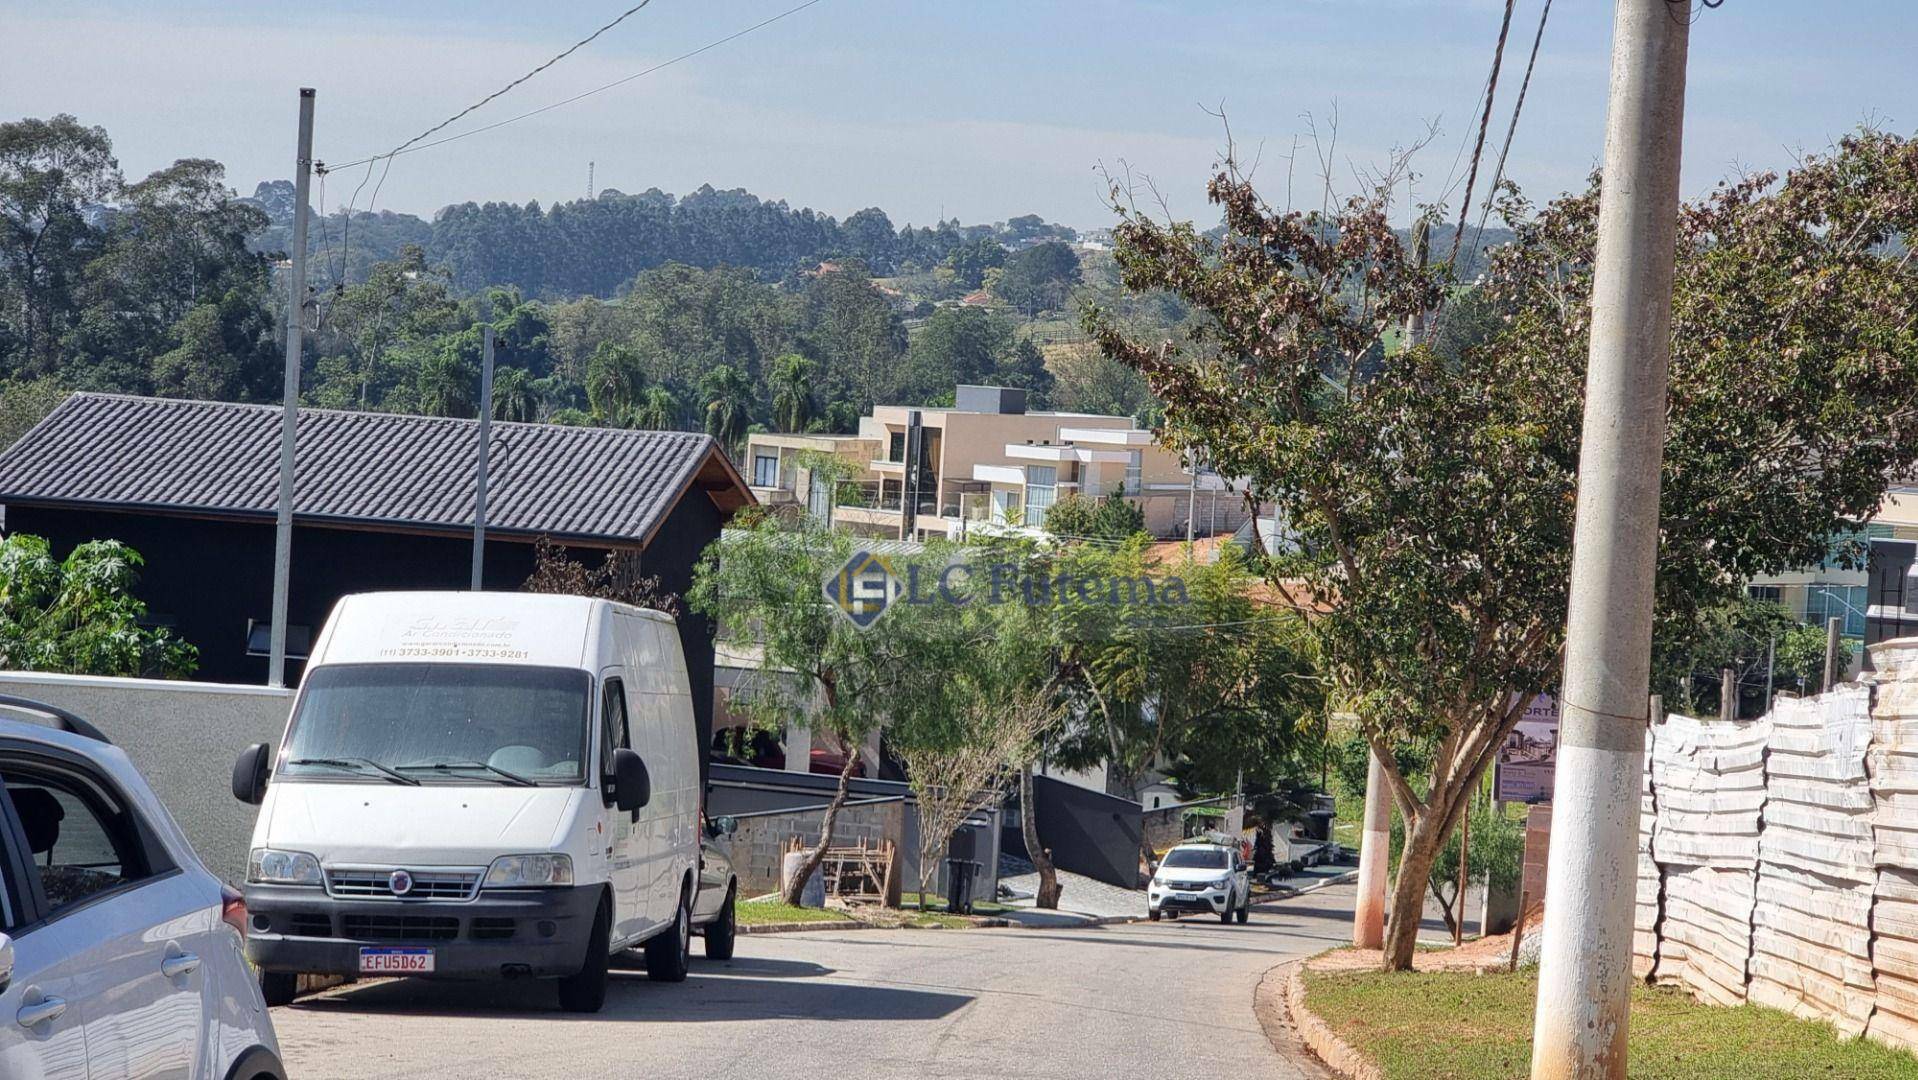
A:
[1585,968]
[290,396]
[485,453]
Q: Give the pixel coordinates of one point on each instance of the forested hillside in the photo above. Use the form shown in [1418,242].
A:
[717,310]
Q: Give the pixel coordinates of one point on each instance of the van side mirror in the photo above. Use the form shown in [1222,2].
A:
[632,786]
[725,825]
[250,772]
[6,962]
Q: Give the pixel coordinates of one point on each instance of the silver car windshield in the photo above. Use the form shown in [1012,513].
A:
[441,723]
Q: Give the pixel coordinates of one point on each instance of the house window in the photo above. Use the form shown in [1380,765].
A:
[1844,602]
[765,470]
[1770,594]
[896,447]
[819,499]
[1041,491]
[259,639]
[1134,470]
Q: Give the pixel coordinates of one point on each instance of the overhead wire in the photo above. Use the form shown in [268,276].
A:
[1498,171]
[1484,123]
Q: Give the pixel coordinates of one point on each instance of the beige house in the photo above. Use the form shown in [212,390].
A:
[984,463]
[1817,593]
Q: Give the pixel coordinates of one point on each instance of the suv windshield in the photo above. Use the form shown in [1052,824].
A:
[1190,858]
[441,723]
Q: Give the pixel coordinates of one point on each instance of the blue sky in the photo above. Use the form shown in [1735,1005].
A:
[979,110]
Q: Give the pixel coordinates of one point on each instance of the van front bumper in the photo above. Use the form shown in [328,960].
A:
[527,932]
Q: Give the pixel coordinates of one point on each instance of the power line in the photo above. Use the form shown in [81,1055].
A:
[1498,172]
[414,146]
[1485,120]
[570,50]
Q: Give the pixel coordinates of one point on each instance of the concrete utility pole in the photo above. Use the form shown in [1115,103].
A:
[1585,968]
[485,452]
[1375,850]
[290,396]
[1832,626]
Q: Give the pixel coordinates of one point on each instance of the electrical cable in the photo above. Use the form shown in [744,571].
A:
[410,148]
[1485,120]
[1498,171]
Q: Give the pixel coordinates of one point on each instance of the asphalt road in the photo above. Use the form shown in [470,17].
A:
[1169,998]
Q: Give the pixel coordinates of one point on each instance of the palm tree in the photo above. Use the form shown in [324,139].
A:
[615,377]
[448,384]
[657,410]
[514,395]
[791,380]
[728,395]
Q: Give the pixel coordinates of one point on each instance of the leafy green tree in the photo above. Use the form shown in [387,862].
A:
[1039,278]
[24,403]
[852,330]
[1790,375]
[760,584]
[958,345]
[225,352]
[970,261]
[374,332]
[79,615]
[1087,380]
[791,380]
[728,404]
[51,172]
[1109,518]
[1024,366]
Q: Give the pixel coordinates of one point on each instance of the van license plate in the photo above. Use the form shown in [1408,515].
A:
[396,961]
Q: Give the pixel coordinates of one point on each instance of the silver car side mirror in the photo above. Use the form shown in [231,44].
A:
[6,962]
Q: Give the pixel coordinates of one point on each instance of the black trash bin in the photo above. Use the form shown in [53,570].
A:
[961,870]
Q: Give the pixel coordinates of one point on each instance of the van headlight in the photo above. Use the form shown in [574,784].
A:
[529,871]
[268,866]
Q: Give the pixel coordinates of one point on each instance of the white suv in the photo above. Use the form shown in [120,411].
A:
[1207,878]
[120,953]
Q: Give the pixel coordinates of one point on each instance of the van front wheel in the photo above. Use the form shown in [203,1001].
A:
[586,991]
[669,954]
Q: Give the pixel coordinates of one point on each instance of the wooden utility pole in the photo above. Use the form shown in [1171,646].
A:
[1832,626]
[290,394]
[1581,1020]
[1727,694]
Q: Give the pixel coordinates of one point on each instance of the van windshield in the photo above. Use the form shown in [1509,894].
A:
[441,723]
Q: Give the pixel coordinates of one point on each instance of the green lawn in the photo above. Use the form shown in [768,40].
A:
[1435,1025]
[768,912]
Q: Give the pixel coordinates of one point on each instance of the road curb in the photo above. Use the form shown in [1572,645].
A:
[801,927]
[1337,1054]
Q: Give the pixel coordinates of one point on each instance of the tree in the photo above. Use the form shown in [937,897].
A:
[760,584]
[957,345]
[617,578]
[1039,278]
[1108,519]
[728,409]
[658,410]
[51,173]
[375,332]
[791,381]
[970,261]
[615,381]
[79,616]
[1087,380]
[26,403]
[515,396]
[1431,497]
[1024,366]
[448,379]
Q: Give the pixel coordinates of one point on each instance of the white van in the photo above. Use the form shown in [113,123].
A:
[478,785]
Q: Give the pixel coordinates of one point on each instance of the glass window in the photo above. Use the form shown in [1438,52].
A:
[82,846]
[1846,602]
[436,723]
[614,733]
[1195,858]
[1768,593]
[765,470]
[819,499]
[1134,470]
[896,447]
[1041,491]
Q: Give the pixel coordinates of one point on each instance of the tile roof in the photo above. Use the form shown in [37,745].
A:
[410,471]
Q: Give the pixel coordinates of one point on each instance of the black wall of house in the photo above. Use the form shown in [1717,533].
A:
[1089,832]
[207,578]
